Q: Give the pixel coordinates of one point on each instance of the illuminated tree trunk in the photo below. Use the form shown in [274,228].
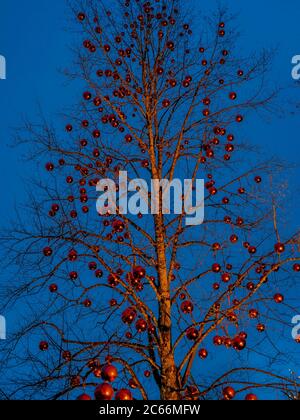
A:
[170,386]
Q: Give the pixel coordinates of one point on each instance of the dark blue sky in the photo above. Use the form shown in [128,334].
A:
[34,40]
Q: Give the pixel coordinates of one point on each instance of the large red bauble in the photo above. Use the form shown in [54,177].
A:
[239,343]
[109,373]
[49,166]
[278,298]
[129,315]
[87,96]
[203,353]
[141,325]
[81,16]
[124,395]
[228,393]
[226,277]
[187,307]
[104,392]
[260,327]
[66,355]
[118,226]
[43,345]
[251,397]
[252,250]
[279,248]
[218,340]
[139,272]
[192,333]
[47,251]
[216,268]
[84,397]
[296,267]
[53,288]
[253,313]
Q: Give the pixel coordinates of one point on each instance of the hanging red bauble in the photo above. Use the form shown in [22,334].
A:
[251,397]
[83,397]
[296,267]
[187,307]
[139,272]
[260,327]
[216,268]
[192,333]
[203,353]
[279,248]
[104,392]
[141,325]
[278,298]
[43,346]
[228,393]
[124,395]
[53,288]
[47,251]
[218,340]
[239,343]
[81,16]
[253,313]
[109,373]
[49,166]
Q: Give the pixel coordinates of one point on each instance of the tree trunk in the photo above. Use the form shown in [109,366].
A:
[170,382]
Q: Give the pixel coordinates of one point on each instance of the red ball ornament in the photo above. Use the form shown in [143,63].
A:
[253,313]
[83,397]
[129,315]
[109,373]
[278,298]
[187,307]
[232,96]
[53,288]
[296,267]
[192,333]
[252,250]
[216,268]
[141,326]
[47,251]
[251,397]
[228,393]
[279,248]
[104,392]
[81,17]
[87,96]
[49,166]
[43,346]
[239,343]
[124,395]
[218,340]
[234,239]
[203,353]
[139,272]
[260,327]
[226,277]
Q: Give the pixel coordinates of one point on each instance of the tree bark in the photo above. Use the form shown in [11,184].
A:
[170,382]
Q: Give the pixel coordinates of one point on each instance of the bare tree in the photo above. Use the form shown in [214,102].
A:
[141,300]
